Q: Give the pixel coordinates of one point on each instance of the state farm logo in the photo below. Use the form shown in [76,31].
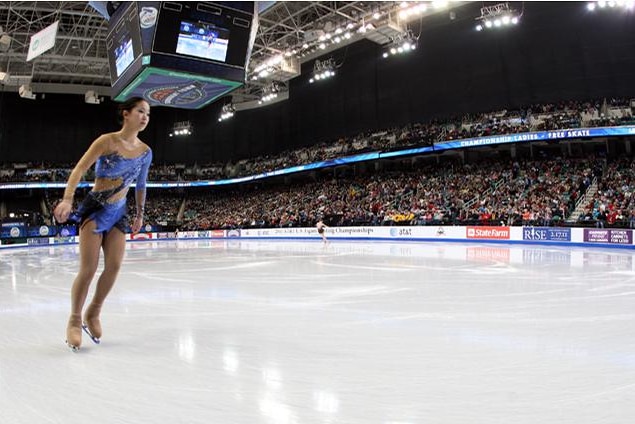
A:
[488,254]
[492,233]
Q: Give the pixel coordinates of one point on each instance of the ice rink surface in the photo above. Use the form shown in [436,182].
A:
[284,332]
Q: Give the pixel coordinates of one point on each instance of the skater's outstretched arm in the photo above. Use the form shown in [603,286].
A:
[96,149]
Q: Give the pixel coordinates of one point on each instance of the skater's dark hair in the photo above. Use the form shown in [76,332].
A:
[128,105]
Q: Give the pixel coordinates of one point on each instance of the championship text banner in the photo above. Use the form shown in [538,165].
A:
[455,144]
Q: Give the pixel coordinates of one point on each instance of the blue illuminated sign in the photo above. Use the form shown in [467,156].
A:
[538,136]
[448,145]
[546,233]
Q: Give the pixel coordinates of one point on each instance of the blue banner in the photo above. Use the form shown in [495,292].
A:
[446,145]
[41,231]
[13,230]
[414,151]
[322,164]
[546,233]
[537,136]
[66,231]
[10,186]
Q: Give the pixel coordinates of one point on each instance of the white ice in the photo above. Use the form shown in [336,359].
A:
[280,332]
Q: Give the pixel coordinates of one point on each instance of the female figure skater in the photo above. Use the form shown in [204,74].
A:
[320,229]
[120,158]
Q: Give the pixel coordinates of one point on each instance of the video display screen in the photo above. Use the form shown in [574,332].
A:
[203,40]
[124,55]
[123,44]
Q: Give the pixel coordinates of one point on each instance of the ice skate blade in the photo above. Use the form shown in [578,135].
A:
[73,348]
[87,331]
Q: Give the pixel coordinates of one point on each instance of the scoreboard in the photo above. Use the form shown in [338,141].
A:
[179,54]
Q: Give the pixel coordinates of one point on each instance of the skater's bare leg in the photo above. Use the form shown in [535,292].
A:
[74,331]
[89,245]
[114,246]
[92,325]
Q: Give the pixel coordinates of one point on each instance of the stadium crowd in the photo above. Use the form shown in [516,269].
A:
[516,193]
[495,192]
[553,116]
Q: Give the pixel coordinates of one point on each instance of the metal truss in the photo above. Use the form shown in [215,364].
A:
[79,62]
[79,56]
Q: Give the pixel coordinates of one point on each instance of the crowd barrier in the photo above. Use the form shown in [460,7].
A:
[564,236]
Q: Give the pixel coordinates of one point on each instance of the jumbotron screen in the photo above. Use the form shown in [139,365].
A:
[180,54]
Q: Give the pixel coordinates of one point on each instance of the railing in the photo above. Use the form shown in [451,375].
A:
[490,190]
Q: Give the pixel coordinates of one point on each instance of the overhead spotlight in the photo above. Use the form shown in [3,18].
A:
[416,10]
[323,69]
[282,65]
[26,92]
[497,16]
[440,4]
[227,112]
[619,4]
[403,43]
[269,93]
[182,128]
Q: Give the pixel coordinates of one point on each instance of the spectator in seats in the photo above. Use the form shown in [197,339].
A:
[120,158]
[600,219]
[527,217]
[620,219]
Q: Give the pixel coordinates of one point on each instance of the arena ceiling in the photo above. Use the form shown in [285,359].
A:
[78,62]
